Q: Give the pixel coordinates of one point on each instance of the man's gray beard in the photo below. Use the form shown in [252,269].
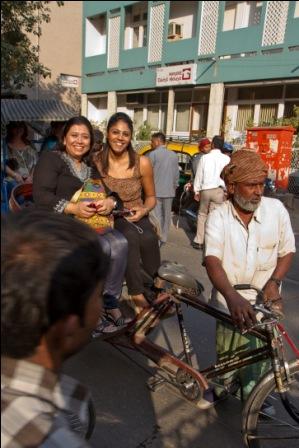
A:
[248,206]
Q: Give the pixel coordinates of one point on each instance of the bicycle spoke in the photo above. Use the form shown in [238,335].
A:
[269,422]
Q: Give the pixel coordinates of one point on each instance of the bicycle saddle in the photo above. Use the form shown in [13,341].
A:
[176,273]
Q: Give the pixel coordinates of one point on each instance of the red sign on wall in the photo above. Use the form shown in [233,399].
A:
[275,147]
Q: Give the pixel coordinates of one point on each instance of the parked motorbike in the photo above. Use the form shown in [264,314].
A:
[188,206]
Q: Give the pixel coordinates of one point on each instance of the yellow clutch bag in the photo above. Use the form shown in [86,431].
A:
[93,190]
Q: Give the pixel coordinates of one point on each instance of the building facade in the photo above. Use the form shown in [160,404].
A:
[60,51]
[193,67]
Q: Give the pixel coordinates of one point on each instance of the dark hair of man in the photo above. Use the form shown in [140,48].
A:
[78,121]
[160,136]
[218,142]
[12,126]
[103,156]
[50,265]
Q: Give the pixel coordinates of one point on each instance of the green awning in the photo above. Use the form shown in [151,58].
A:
[35,110]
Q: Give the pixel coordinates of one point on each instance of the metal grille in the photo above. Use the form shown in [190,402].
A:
[293,186]
[156,33]
[275,23]
[208,28]
[113,43]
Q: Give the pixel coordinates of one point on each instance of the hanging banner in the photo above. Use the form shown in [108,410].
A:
[176,75]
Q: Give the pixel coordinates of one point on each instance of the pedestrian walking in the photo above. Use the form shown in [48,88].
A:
[204,147]
[166,177]
[208,186]
[227,149]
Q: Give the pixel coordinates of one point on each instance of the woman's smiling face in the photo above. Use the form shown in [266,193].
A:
[77,141]
[119,137]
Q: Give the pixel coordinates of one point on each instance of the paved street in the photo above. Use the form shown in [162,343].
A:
[128,414]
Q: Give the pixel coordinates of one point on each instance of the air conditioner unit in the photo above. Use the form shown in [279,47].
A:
[174,31]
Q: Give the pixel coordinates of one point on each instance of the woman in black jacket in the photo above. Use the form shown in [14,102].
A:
[58,175]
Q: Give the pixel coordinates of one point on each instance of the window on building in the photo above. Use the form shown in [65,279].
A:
[182,123]
[241,14]
[97,109]
[268,92]
[245,113]
[292,91]
[201,95]
[138,117]
[182,20]
[153,98]
[164,97]
[199,117]
[260,93]
[268,113]
[163,118]
[136,26]
[296,13]
[153,117]
[95,37]
[289,108]
[182,96]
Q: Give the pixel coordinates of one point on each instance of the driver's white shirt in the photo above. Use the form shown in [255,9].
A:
[248,255]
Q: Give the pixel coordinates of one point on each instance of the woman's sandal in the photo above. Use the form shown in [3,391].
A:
[119,322]
[104,327]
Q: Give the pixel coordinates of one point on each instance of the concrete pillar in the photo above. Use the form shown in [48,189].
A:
[280,110]
[215,109]
[256,114]
[232,109]
[111,104]
[170,112]
[84,104]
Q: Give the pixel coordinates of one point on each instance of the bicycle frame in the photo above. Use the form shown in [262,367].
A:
[134,337]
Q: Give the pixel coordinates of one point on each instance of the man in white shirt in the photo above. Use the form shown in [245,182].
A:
[249,240]
[208,186]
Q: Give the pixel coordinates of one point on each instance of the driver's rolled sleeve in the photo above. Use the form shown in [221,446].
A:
[214,242]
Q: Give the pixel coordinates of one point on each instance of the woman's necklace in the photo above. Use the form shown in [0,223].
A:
[81,171]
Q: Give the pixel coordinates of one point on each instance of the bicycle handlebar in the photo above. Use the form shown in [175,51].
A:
[265,310]
[242,287]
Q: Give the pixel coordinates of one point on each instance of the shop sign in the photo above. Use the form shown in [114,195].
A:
[69,81]
[176,75]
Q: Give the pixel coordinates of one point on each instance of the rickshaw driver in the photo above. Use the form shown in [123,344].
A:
[249,239]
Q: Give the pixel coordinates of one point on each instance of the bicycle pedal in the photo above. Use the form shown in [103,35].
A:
[155,383]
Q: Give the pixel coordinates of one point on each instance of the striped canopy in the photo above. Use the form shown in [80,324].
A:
[35,110]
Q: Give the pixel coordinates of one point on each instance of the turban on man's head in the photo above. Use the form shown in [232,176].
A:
[203,142]
[244,165]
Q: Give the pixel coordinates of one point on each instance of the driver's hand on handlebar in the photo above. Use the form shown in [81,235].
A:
[242,313]
[271,294]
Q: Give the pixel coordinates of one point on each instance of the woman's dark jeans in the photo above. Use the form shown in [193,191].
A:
[143,249]
[115,245]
